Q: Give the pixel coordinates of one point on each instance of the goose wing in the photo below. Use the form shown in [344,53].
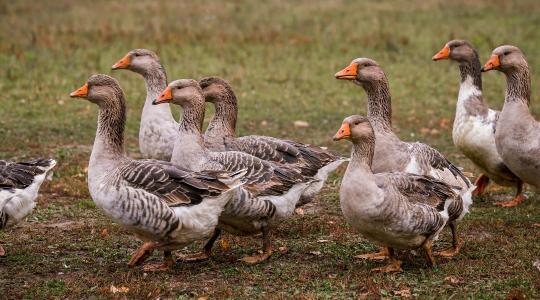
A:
[174,185]
[19,175]
[419,189]
[308,159]
[262,177]
[431,158]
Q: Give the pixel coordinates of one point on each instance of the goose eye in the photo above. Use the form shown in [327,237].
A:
[356,123]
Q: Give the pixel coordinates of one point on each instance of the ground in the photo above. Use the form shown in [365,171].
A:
[280,57]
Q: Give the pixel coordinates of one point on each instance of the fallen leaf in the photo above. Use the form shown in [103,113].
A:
[224,245]
[264,123]
[332,275]
[444,122]
[537,265]
[316,253]
[405,293]
[283,250]
[301,124]
[104,233]
[323,241]
[121,289]
[299,211]
[203,298]
[452,279]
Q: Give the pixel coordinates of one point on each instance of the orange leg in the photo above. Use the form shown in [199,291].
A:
[481,185]
[429,254]
[393,265]
[516,200]
[142,254]
[168,262]
[207,250]
[456,245]
[267,250]
[381,255]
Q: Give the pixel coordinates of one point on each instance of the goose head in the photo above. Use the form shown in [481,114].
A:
[181,92]
[215,89]
[506,59]
[139,61]
[456,50]
[362,70]
[356,129]
[100,89]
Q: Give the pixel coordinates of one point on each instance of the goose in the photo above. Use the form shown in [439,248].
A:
[517,133]
[396,210]
[395,155]
[270,193]
[221,136]
[158,128]
[19,187]
[166,206]
[473,132]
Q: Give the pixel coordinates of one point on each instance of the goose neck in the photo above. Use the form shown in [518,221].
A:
[379,104]
[156,81]
[471,69]
[109,141]
[362,153]
[223,124]
[518,83]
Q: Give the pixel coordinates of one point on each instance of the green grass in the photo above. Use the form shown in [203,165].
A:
[280,58]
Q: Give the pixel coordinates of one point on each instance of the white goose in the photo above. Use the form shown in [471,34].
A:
[473,132]
[19,187]
[162,204]
[158,129]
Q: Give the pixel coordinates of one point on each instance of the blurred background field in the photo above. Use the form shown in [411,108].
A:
[280,57]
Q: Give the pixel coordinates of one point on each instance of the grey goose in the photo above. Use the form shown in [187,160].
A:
[517,135]
[394,155]
[221,136]
[271,191]
[396,210]
[166,206]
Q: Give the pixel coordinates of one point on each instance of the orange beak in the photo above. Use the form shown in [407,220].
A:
[349,73]
[444,53]
[122,63]
[81,92]
[166,96]
[492,63]
[344,132]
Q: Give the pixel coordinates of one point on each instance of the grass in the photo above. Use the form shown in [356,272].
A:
[280,57]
